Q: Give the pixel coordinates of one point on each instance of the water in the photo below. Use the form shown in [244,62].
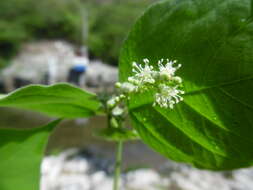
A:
[78,133]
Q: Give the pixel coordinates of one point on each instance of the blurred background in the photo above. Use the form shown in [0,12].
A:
[78,41]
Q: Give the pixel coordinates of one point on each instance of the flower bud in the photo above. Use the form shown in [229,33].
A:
[117,111]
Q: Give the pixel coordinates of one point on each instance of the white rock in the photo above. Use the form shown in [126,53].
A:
[100,75]
[143,179]
[76,166]
[67,182]
[62,173]
[100,181]
[193,179]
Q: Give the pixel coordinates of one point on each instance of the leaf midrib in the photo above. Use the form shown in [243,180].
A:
[71,101]
[219,85]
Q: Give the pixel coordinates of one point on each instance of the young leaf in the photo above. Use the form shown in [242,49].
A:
[117,134]
[21,154]
[213,127]
[59,100]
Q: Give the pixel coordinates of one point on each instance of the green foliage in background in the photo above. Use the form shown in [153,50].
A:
[22,20]
[212,128]
[110,23]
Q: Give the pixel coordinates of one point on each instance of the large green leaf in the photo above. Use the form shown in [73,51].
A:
[213,40]
[21,152]
[60,100]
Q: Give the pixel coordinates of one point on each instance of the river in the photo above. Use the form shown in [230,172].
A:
[79,134]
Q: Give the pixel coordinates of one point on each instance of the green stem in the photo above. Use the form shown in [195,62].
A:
[117,169]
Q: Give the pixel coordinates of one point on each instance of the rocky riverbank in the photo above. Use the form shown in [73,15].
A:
[50,62]
[82,170]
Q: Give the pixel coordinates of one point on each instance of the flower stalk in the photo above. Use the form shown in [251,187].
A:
[117,168]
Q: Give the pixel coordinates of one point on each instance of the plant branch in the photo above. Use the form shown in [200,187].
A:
[117,168]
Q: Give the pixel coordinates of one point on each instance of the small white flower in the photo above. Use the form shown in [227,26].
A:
[128,87]
[122,96]
[117,111]
[177,79]
[118,84]
[112,102]
[134,80]
[168,70]
[168,96]
[143,74]
[146,61]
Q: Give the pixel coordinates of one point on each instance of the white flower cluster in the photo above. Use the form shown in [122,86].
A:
[163,80]
[168,96]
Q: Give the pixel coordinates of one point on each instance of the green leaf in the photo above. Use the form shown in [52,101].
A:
[213,40]
[117,134]
[60,100]
[21,155]
[2,95]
